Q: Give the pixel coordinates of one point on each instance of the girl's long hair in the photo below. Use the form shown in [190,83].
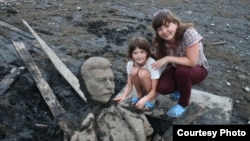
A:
[164,17]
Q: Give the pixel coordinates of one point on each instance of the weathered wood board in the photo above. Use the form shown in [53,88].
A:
[13,28]
[60,66]
[9,79]
[47,93]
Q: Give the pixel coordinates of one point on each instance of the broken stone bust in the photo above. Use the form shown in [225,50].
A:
[106,120]
[98,78]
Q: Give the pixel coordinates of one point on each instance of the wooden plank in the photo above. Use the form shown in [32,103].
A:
[41,83]
[60,66]
[13,28]
[193,111]
[9,79]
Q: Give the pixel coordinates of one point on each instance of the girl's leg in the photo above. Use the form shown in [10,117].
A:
[145,80]
[136,81]
[166,83]
[146,85]
[141,80]
[186,77]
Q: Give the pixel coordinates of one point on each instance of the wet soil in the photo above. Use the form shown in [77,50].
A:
[76,30]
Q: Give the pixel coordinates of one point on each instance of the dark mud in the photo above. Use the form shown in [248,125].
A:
[76,30]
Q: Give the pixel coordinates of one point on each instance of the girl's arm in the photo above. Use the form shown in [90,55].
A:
[127,90]
[192,54]
[129,87]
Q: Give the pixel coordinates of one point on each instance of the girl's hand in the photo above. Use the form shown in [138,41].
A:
[159,63]
[119,99]
[141,103]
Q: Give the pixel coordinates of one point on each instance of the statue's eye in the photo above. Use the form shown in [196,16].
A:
[100,80]
[112,79]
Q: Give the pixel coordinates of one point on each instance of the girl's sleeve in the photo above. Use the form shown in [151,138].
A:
[155,73]
[129,66]
[191,37]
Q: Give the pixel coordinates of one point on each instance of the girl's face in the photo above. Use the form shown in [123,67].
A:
[139,56]
[167,31]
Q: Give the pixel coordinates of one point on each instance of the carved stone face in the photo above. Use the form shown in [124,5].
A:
[99,79]
[101,85]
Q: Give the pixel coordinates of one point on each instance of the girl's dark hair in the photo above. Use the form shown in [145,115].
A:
[141,43]
[164,17]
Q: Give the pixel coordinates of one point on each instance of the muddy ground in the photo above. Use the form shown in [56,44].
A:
[77,29]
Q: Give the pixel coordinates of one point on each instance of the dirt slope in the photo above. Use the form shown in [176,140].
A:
[78,29]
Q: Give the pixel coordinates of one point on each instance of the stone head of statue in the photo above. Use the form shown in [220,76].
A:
[98,77]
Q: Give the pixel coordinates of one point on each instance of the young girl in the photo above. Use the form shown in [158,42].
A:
[141,75]
[178,45]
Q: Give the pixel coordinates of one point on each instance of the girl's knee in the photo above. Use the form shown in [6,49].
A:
[163,90]
[143,73]
[134,71]
[182,71]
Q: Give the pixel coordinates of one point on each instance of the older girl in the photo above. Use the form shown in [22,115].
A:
[179,46]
